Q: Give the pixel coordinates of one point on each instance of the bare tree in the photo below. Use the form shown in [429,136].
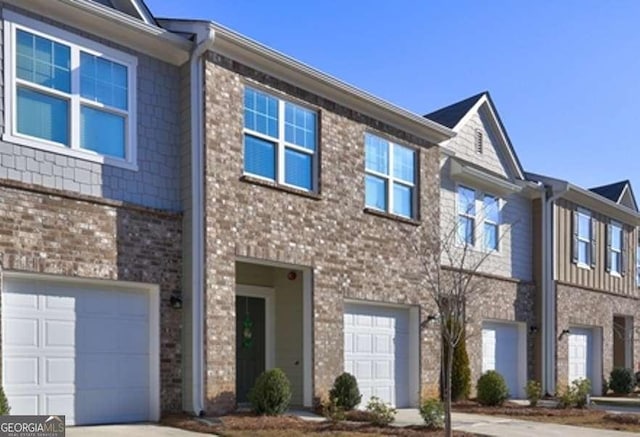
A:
[451,274]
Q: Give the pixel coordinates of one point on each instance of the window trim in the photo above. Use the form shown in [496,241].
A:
[589,239]
[12,22]
[391,180]
[486,221]
[473,216]
[282,144]
[479,222]
[611,250]
[638,263]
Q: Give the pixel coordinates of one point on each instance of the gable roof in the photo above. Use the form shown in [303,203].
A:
[451,115]
[134,8]
[455,115]
[616,191]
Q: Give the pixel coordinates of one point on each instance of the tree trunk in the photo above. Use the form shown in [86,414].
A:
[448,431]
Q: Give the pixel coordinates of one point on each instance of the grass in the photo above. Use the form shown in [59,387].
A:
[249,425]
[571,416]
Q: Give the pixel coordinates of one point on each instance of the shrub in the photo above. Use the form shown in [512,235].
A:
[577,394]
[345,392]
[271,393]
[622,381]
[332,411]
[460,370]
[492,389]
[381,413]
[432,412]
[534,392]
[4,403]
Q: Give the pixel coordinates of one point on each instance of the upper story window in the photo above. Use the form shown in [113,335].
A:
[466,215]
[390,177]
[583,238]
[280,140]
[615,248]
[67,94]
[491,208]
[638,264]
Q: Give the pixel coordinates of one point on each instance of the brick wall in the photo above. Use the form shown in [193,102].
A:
[45,231]
[353,254]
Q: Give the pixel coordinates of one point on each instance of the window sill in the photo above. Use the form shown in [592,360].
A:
[583,266]
[390,216]
[276,186]
[72,153]
[615,274]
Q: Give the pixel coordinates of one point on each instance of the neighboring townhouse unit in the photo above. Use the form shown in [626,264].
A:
[90,222]
[485,205]
[588,271]
[308,186]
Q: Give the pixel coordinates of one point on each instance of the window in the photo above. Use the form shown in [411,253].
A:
[279,140]
[638,264]
[615,255]
[390,179]
[582,238]
[478,140]
[466,215]
[68,94]
[491,209]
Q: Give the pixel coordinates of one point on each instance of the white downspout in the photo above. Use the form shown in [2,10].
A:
[205,41]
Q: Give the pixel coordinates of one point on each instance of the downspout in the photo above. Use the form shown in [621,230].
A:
[204,43]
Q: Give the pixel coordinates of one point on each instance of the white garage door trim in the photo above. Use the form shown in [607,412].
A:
[412,395]
[492,324]
[153,291]
[594,355]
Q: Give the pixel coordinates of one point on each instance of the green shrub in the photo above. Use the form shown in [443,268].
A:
[432,412]
[345,392]
[575,395]
[492,389]
[460,369]
[4,403]
[622,381]
[381,413]
[534,392]
[271,393]
[332,411]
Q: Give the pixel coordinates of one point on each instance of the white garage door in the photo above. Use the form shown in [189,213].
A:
[376,351]
[580,354]
[79,351]
[501,351]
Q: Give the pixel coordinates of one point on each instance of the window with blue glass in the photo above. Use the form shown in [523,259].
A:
[491,208]
[280,140]
[390,177]
[70,95]
[466,216]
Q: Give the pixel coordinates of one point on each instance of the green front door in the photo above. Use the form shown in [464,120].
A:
[250,343]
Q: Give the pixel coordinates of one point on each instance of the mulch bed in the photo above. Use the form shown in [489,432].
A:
[247,424]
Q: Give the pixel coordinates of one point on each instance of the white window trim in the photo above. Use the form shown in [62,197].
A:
[478,231]
[638,263]
[12,22]
[589,239]
[460,241]
[282,145]
[391,180]
[486,221]
[614,224]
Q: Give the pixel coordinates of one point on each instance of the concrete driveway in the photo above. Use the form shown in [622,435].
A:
[131,430]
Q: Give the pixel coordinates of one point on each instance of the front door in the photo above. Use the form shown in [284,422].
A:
[250,343]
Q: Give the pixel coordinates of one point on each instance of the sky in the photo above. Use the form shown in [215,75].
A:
[564,75]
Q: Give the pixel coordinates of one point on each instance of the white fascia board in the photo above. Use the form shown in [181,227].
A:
[264,59]
[478,178]
[595,202]
[114,26]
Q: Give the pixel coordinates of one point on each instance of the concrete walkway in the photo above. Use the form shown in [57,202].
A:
[506,427]
[131,430]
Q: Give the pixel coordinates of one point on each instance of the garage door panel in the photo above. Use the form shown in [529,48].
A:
[384,370]
[363,343]
[82,351]
[383,345]
[20,332]
[501,352]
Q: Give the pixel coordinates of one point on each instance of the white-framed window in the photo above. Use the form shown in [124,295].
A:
[280,140]
[466,216]
[390,177]
[583,238]
[491,229]
[638,264]
[615,248]
[67,94]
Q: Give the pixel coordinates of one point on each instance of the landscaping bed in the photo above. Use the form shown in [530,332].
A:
[566,416]
[248,424]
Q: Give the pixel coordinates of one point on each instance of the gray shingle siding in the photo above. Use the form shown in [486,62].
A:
[155,183]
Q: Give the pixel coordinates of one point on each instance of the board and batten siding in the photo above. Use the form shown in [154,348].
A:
[596,278]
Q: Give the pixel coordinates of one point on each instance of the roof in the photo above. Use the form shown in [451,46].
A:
[611,191]
[451,115]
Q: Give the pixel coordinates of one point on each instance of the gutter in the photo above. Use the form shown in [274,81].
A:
[204,42]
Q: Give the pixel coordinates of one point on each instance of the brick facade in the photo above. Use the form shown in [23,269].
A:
[353,254]
[48,231]
[583,307]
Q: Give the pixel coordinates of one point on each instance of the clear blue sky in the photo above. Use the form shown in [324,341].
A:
[565,75]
